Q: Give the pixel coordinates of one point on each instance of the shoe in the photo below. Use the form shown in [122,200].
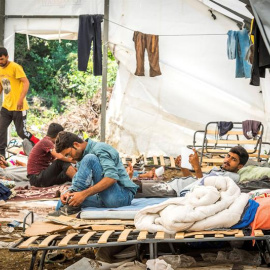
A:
[65,210]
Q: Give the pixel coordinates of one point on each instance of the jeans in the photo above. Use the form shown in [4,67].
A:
[90,173]
[237,47]
[90,31]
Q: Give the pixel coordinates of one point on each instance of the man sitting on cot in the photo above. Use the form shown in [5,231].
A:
[45,167]
[101,180]
[233,162]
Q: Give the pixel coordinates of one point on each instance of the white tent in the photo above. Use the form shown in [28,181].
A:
[159,115]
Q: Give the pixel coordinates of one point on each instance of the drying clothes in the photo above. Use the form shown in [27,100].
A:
[248,215]
[4,192]
[237,46]
[224,127]
[217,204]
[90,31]
[251,128]
[261,57]
[150,43]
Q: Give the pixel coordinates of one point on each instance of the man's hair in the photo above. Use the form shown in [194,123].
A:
[3,51]
[54,129]
[65,140]
[241,152]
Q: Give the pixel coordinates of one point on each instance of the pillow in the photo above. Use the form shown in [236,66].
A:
[253,173]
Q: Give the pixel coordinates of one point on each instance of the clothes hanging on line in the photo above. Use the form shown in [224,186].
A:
[150,43]
[237,46]
[90,31]
[261,57]
[251,128]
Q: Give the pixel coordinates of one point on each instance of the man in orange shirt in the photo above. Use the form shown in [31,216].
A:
[15,85]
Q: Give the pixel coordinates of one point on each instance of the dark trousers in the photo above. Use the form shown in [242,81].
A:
[55,174]
[150,43]
[19,119]
[90,30]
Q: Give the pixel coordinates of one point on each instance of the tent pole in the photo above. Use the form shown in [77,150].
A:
[104,71]
[2,32]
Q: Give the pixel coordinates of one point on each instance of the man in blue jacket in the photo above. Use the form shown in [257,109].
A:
[101,179]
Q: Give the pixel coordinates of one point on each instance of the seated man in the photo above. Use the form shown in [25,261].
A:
[45,167]
[101,180]
[233,162]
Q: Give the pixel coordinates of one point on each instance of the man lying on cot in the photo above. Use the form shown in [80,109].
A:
[101,179]
[233,162]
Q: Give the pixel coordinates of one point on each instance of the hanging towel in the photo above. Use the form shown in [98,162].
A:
[4,192]
[224,127]
[251,128]
[90,31]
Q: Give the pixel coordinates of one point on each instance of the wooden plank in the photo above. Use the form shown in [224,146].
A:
[108,227]
[145,160]
[133,161]
[231,132]
[84,240]
[66,239]
[142,235]
[104,237]
[232,142]
[155,160]
[213,160]
[226,232]
[48,240]
[172,162]
[28,242]
[219,235]
[162,161]
[124,161]
[239,234]
[179,235]
[124,234]
[199,236]
[258,233]
[160,235]
[222,151]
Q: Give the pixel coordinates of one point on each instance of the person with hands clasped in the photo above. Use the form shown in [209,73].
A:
[101,179]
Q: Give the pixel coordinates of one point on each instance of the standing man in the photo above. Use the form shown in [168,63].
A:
[15,85]
[101,179]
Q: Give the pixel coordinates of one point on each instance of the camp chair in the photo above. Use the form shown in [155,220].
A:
[212,148]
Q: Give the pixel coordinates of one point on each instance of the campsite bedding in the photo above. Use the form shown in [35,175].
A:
[216,203]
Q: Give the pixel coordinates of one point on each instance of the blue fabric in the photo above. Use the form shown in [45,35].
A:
[237,47]
[110,162]
[90,172]
[4,192]
[136,205]
[248,216]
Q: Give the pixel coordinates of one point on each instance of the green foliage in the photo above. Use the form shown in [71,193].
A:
[51,67]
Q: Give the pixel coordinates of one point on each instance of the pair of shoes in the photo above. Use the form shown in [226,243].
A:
[65,210]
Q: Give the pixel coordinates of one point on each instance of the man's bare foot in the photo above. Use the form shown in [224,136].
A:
[149,175]
[130,170]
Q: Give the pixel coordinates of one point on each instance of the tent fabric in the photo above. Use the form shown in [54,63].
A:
[158,115]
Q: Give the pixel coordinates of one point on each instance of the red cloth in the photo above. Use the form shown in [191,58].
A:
[40,156]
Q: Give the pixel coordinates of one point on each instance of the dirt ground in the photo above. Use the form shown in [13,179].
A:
[21,260]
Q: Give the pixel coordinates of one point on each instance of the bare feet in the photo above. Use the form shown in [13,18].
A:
[130,170]
[149,175]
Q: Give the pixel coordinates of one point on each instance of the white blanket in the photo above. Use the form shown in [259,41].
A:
[218,203]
